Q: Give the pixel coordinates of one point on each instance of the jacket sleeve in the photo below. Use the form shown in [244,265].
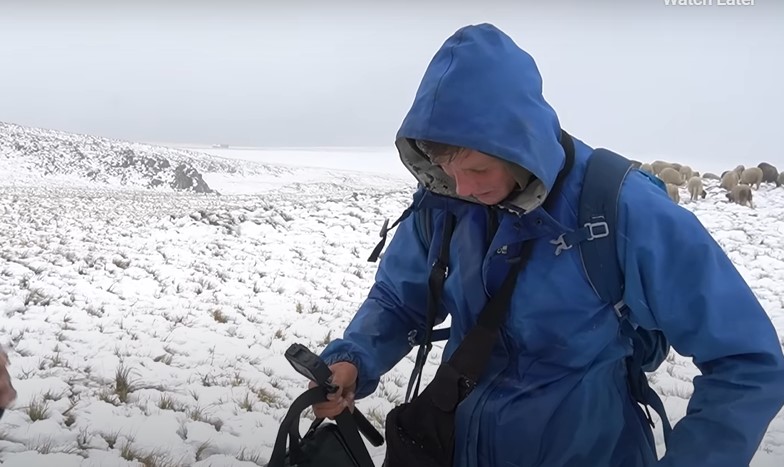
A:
[679,280]
[377,337]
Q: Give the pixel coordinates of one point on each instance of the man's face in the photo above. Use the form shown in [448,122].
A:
[486,178]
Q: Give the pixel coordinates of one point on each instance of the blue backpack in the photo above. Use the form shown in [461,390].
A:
[596,240]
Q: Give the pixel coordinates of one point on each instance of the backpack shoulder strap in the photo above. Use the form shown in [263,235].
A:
[598,216]
[596,219]
[385,229]
[425,226]
[597,237]
[415,206]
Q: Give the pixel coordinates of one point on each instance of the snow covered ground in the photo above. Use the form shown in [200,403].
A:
[146,326]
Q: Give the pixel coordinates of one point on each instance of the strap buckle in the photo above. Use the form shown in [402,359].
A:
[560,244]
[597,230]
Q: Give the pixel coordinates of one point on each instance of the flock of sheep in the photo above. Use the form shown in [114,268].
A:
[738,182]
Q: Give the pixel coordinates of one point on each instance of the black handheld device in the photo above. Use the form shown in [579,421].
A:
[311,366]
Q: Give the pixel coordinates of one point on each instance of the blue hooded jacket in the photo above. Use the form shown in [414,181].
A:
[554,392]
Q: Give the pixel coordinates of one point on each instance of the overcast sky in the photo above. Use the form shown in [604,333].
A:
[637,76]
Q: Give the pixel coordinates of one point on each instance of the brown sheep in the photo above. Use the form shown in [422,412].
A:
[670,175]
[729,180]
[751,176]
[741,194]
[673,193]
[769,173]
[695,188]
[710,176]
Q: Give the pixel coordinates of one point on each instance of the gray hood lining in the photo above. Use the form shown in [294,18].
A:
[434,179]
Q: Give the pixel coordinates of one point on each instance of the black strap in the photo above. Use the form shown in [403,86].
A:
[568,146]
[305,400]
[471,356]
[385,229]
[348,428]
[492,224]
[638,383]
[435,282]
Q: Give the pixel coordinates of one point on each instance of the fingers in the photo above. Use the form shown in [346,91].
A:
[344,376]
[334,407]
[336,403]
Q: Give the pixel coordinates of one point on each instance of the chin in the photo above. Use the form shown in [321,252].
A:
[489,199]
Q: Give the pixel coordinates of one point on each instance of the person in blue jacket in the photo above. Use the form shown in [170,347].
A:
[554,392]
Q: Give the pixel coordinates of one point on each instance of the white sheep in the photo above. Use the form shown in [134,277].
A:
[695,188]
[646,167]
[670,175]
[686,172]
[751,176]
[673,193]
[658,166]
[729,180]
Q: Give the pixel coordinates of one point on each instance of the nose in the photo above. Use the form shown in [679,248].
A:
[464,186]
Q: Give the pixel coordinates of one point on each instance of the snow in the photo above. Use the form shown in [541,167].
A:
[150,326]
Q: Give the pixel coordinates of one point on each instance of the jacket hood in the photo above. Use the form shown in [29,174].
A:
[481,91]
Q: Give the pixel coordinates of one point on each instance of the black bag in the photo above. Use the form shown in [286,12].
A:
[322,445]
[328,444]
[421,432]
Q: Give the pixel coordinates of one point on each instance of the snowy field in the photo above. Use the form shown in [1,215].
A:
[149,327]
